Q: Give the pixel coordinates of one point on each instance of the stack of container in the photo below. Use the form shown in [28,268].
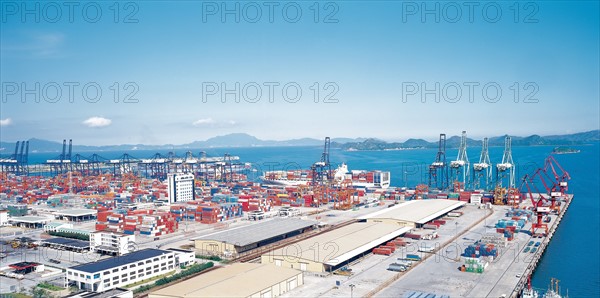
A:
[382,251]
[453,196]
[481,250]
[177,211]
[474,265]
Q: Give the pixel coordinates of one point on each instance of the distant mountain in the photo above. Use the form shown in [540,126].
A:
[229,140]
[246,140]
[454,142]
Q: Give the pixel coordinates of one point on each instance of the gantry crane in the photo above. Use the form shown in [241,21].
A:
[506,169]
[538,199]
[482,171]
[460,166]
[321,175]
[438,170]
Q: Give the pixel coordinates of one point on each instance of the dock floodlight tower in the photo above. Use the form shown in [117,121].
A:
[507,166]
[482,171]
[438,170]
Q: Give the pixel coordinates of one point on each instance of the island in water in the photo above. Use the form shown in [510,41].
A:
[564,150]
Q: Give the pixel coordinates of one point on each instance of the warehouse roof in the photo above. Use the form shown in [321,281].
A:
[340,245]
[30,219]
[417,211]
[68,242]
[246,235]
[236,280]
[76,212]
[120,261]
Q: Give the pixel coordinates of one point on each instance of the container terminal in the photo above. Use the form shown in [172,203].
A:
[195,226]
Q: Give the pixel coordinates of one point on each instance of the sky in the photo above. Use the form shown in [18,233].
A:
[159,72]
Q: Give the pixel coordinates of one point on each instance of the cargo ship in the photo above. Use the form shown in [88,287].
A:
[359,178]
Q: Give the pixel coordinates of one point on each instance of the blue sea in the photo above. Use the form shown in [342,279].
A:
[573,254]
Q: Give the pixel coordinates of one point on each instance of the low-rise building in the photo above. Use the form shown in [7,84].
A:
[184,257]
[119,271]
[112,243]
[236,280]
[3,218]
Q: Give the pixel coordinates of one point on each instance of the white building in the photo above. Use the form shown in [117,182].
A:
[180,187]
[4,218]
[112,243]
[184,257]
[120,271]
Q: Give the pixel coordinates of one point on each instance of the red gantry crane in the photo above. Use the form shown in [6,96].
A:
[554,185]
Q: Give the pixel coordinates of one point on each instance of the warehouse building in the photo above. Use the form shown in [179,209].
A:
[67,244]
[331,250]
[76,215]
[236,280]
[232,242]
[119,271]
[30,222]
[415,213]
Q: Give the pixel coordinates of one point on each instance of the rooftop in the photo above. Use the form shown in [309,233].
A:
[120,261]
[417,211]
[68,242]
[341,244]
[246,235]
[76,212]
[235,280]
[56,224]
[30,219]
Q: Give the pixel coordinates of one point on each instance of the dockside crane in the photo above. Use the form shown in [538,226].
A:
[460,166]
[539,200]
[321,174]
[506,169]
[438,170]
[482,171]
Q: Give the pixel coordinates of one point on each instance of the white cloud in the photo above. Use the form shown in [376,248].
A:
[97,122]
[232,122]
[201,122]
[5,122]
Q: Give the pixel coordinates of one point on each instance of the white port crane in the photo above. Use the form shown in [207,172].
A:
[460,166]
[483,169]
[507,166]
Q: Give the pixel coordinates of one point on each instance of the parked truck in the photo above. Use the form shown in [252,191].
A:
[412,257]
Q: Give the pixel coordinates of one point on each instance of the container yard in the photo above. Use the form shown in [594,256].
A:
[326,237]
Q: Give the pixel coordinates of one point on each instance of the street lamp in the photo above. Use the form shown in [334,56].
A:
[351,289]
[455,229]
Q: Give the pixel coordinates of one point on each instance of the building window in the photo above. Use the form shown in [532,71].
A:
[106,272]
[141,270]
[132,265]
[106,280]
[124,280]
[115,270]
[115,278]
[141,264]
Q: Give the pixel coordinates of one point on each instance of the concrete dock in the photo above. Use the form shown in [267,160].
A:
[505,276]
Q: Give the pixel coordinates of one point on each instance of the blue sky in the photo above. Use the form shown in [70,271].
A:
[372,51]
